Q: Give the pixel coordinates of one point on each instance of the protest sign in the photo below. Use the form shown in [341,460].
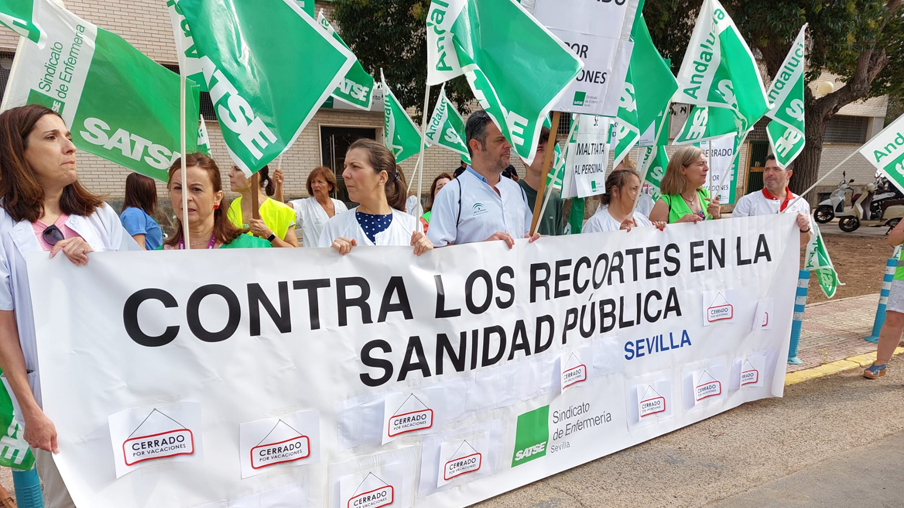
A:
[462,344]
[587,157]
[721,155]
[119,104]
[599,33]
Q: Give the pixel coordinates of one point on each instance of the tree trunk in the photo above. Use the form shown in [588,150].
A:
[806,167]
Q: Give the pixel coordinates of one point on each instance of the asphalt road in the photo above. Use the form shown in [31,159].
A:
[835,441]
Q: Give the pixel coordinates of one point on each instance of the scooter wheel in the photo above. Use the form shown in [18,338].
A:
[849,224]
[824,214]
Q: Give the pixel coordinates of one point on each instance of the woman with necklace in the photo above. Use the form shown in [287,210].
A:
[372,179]
[312,213]
[684,198]
[277,221]
[208,227]
[617,205]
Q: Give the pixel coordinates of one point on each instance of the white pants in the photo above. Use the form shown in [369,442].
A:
[56,495]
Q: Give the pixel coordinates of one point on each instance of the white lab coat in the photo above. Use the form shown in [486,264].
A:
[102,230]
[345,225]
[603,221]
[312,217]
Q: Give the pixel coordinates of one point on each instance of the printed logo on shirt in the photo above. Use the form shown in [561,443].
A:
[478,209]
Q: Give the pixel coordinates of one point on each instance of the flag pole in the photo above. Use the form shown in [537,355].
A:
[185,186]
[255,198]
[548,157]
[646,170]
[419,167]
[804,193]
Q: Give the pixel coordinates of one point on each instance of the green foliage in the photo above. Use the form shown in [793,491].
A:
[392,35]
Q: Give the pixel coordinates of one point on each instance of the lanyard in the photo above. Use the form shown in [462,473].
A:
[210,244]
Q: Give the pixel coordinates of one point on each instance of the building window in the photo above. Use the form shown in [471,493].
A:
[6,63]
[847,129]
[206,106]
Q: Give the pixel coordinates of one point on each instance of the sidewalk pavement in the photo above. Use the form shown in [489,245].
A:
[834,330]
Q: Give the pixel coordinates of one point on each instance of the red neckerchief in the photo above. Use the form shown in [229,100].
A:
[788,197]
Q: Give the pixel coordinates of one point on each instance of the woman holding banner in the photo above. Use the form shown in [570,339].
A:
[616,209]
[684,198]
[372,179]
[44,208]
[313,212]
[893,327]
[208,226]
[277,221]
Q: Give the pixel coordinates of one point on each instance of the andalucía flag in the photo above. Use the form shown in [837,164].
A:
[203,139]
[18,16]
[358,86]
[719,73]
[886,152]
[817,260]
[119,104]
[786,130]
[399,132]
[649,85]
[268,67]
[446,128]
[517,68]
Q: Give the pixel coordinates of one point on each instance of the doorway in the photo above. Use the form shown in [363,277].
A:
[334,142]
[758,150]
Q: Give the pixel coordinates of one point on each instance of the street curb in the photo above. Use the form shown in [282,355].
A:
[854,362]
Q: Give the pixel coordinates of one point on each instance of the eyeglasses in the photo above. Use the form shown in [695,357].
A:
[52,235]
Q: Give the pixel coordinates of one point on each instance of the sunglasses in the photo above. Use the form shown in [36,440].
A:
[52,235]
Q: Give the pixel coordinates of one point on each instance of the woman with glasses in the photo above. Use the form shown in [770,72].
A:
[684,197]
[208,226]
[277,221]
[43,208]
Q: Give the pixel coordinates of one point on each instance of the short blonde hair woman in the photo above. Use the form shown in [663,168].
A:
[684,197]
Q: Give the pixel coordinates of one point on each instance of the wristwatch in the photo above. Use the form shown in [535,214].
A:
[271,237]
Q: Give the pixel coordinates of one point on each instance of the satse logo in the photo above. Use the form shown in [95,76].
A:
[157,437]
[531,436]
[282,444]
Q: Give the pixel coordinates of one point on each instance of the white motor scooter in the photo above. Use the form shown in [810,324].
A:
[867,213]
[827,209]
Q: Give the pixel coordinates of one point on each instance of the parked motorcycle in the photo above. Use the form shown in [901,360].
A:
[867,211]
[827,209]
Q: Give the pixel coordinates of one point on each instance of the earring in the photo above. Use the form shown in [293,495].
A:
[216,206]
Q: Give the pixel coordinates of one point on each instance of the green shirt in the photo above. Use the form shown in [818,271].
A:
[242,242]
[678,207]
[552,223]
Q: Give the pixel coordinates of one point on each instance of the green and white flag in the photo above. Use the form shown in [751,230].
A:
[446,128]
[817,259]
[517,68]
[186,51]
[575,222]
[653,164]
[307,6]
[719,72]
[14,450]
[119,104]
[556,175]
[649,85]
[357,89]
[886,152]
[786,130]
[18,16]
[268,67]
[203,139]
[399,132]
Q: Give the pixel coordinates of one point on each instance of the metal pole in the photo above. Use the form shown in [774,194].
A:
[890,267]
[800,305]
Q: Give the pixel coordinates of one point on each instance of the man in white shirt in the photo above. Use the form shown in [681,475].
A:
[480,205]
[775,198]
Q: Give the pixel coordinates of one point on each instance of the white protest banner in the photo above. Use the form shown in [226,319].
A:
[599,33]
[461,348]
[587,157]
[722,156]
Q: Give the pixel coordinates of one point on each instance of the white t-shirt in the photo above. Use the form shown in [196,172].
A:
[762,203]
[311,217]
[603,221]
[345,225]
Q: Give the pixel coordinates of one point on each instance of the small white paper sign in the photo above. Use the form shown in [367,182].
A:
[404,413]
[718,306]
[370,489]
[142,435]
[289,496]
[459,457]
[571,370]
[762,318]
[752,370]
[706,386]
[292,439]
[649,401]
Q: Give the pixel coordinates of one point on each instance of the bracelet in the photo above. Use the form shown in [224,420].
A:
[271,237]
[805,230]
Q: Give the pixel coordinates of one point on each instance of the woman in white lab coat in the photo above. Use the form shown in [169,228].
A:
[312,213]
[43,208]
[372,180]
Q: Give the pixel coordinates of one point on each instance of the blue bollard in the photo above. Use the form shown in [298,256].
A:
[890,268]
[28,489]
[800,304]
